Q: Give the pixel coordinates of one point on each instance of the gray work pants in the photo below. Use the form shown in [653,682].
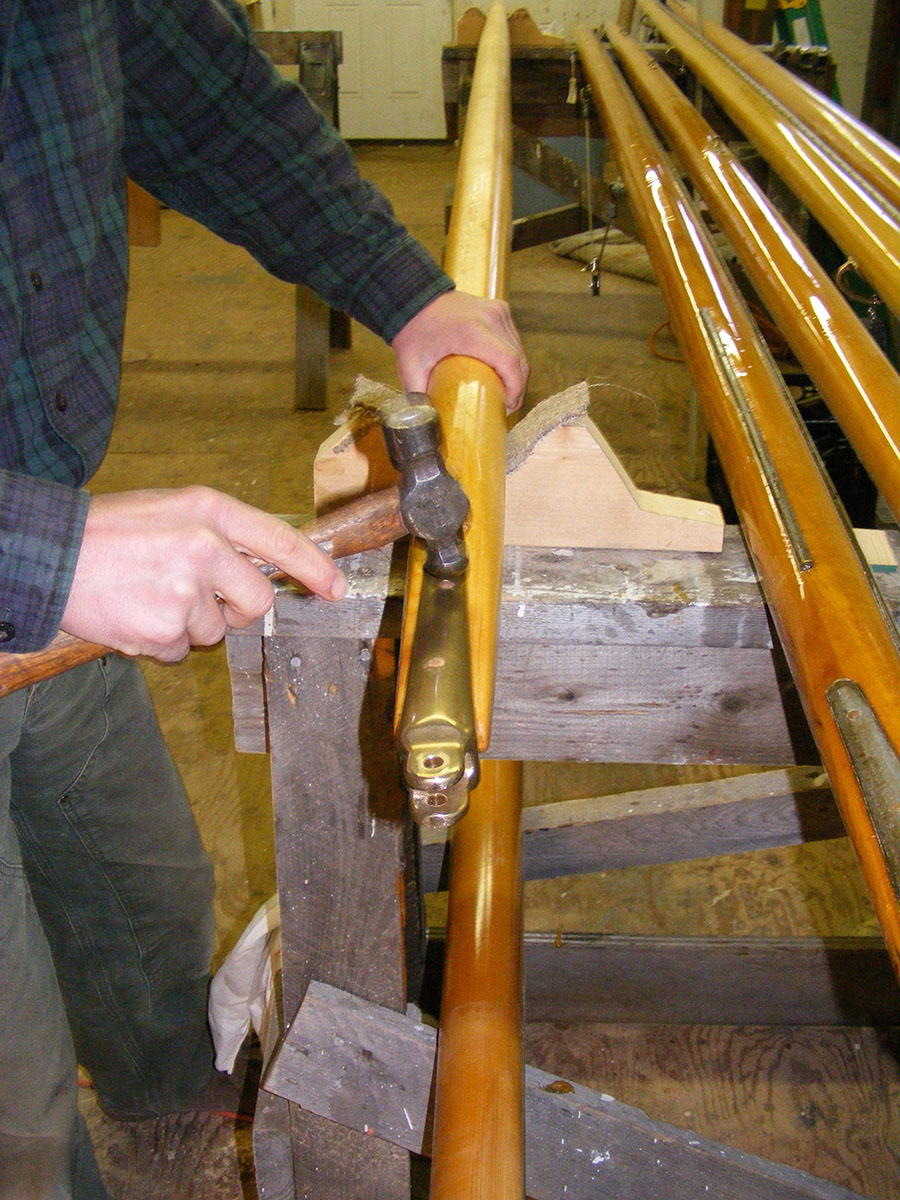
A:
[106,924]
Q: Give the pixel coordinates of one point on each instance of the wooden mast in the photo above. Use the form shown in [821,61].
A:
[861,221]
[478,1144]
[478,1140]
[467,393]
[871,155]
[839,640]
[852,374]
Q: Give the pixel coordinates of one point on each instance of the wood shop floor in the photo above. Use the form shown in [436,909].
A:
[207,396]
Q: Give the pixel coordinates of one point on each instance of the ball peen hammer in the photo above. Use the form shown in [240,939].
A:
[427,502]
[433,503]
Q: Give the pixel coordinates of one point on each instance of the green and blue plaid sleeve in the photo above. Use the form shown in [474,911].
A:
[41,525]
[212,129]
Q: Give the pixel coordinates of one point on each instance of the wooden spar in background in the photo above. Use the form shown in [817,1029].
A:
[626,14]
[467,393]
[871,155]
[839,641]
[864,225]
[855,379]
[479,1134]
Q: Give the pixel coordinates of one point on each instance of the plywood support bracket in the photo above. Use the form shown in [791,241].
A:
[368,1068]
[565,486]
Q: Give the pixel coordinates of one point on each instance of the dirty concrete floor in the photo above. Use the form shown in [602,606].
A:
[207,396]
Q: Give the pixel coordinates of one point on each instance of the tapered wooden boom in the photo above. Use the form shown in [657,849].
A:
[852,374]
[839,641]
[478,1140]
[467,393]
[865,225]
[874,158]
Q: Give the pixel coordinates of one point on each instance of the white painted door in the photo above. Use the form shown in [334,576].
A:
[390,79]
[561,16]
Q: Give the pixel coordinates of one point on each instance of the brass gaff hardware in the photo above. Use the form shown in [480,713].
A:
[436,734]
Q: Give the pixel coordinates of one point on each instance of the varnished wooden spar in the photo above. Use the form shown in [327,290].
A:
[838,640]
[478,1141]
[855,379]
[863,224]
[479,1134]
[467,393]
[872,156]
[626,14]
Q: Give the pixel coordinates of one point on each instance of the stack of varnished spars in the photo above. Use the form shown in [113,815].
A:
[841,643]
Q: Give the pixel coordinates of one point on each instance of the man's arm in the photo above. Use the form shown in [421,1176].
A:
[160,571]
[213,130]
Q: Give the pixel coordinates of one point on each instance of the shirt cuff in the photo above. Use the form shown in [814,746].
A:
[41,526]
[398,285]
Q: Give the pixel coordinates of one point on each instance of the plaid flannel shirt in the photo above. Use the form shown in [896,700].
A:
[175,93]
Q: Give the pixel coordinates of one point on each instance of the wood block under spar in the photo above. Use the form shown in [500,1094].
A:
[570,490]
[352,461]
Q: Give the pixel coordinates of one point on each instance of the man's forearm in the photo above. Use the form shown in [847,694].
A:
[214,131]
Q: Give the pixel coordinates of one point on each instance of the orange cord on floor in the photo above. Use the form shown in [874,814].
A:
[675,358]
[771,334]
[213,1112]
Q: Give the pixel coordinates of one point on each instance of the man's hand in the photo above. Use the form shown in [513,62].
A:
[160,571]
[457,323]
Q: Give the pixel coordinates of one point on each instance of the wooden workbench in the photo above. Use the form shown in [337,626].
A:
[620,656]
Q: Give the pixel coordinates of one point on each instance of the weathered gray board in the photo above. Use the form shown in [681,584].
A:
[664,824]
[609,656]
[699,980]
[370,1068]
[342,835]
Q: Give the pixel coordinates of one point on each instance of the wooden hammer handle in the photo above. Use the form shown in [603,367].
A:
[364,524]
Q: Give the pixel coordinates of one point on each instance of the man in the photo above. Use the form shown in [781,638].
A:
[105,917]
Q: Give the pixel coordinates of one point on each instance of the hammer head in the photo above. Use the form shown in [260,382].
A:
[432,503]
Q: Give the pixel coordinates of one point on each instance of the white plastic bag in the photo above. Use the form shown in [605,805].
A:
[241,989]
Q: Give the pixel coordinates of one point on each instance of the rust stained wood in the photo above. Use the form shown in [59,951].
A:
[827,616]
[468,393]
[862,222]
[871,155]
[856,380]
[625,656]
[578,597]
